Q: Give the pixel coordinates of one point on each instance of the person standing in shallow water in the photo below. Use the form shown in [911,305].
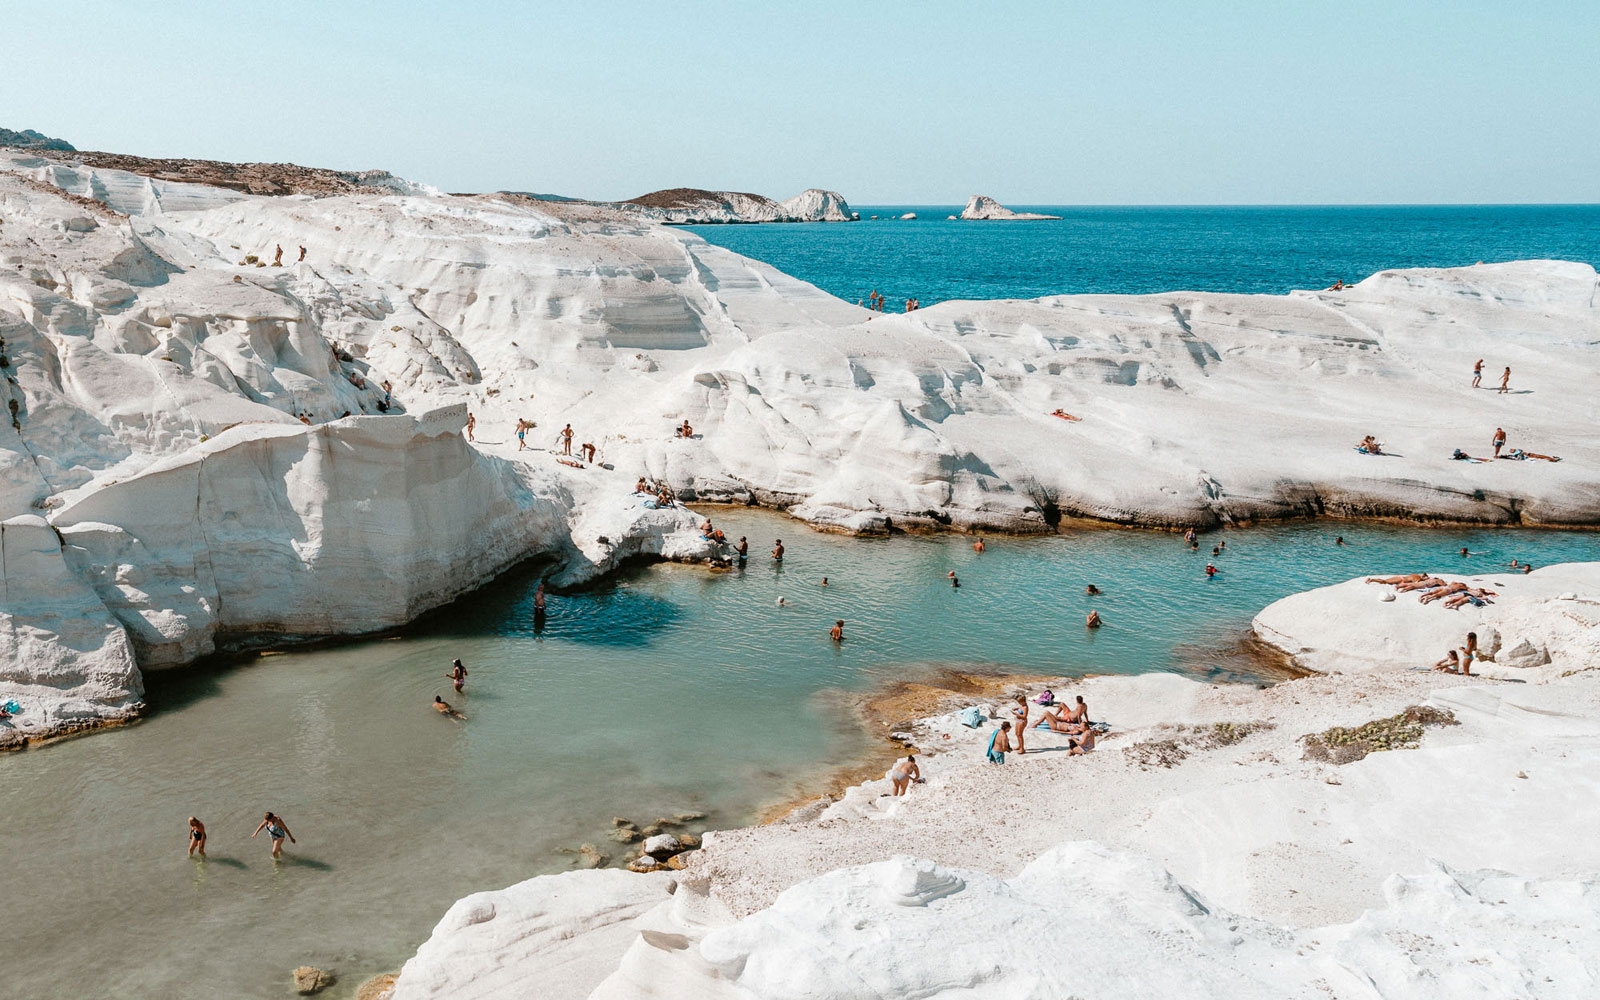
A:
[1093,620]
[197,837]
[777,551]
[837,632]
[457,675]
[744,550]
[276,829]
[978,546]
[538,600]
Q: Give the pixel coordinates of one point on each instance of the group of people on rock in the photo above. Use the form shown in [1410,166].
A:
[1431,588]
[1477,377]
[876,302]
[1069,720]
[1459,661]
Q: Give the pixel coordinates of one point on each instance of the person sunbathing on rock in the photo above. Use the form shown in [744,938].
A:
[1407,578]
[443,708]
[686,431]
[1063,414]
[1476,597]
[1438,592]
[1426,583]
[1369,445]
[641,486]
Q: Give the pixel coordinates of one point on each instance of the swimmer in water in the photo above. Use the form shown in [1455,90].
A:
[978,545]
[1211,571]
[457,675]
[1092,590]
[824,581]
[276,829]
[197,837]
[782,602]
[1093,621]
[1464,552]
[837,632]
[443,708]
[777,551]
[1216,550]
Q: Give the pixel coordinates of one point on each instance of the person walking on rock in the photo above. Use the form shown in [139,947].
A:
[1499,440]
[1505,381]
[1477,374]
[276,829]
[472,422]
[566,440]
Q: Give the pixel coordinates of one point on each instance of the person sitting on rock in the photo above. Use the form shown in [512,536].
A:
[642,486]
[1082,743]
[1450,664]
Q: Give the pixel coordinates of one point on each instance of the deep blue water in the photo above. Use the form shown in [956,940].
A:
[1140,250]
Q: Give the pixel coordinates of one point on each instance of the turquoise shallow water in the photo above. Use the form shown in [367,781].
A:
[1136,250]
[665,690]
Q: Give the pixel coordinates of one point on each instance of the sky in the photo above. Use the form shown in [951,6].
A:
[1068,103]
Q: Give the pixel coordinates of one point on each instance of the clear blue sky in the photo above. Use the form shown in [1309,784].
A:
[1116,102]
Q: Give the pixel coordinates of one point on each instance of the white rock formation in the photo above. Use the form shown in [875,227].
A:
[981,207]
[817,205]
[1550,616]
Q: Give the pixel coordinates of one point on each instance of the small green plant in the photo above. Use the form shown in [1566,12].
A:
[1342,745]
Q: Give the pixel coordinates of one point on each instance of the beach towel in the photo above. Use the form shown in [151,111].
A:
[12,707]
[972,717]
[995,756]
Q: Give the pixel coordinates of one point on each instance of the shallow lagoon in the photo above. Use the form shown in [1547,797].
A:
[666,690]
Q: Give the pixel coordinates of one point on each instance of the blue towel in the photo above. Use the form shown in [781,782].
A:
[12,707]
[972,717]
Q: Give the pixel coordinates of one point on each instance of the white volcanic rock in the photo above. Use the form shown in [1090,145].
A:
[554,936]
[63,659]
[817,205]
[1548,617]
[984,208]
[1107,921]
[687,206]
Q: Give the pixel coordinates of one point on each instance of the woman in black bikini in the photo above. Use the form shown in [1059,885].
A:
[197,837]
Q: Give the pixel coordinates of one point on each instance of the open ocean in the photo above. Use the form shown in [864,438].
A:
[1156,249]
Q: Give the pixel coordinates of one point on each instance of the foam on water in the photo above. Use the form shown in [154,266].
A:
[667,690]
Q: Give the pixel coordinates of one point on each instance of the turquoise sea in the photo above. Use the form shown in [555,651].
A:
[1155,249]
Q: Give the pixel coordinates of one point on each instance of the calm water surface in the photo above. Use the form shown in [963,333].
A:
[1155,249]
[667,690]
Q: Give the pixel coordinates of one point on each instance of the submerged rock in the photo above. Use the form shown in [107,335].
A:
[309,979]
